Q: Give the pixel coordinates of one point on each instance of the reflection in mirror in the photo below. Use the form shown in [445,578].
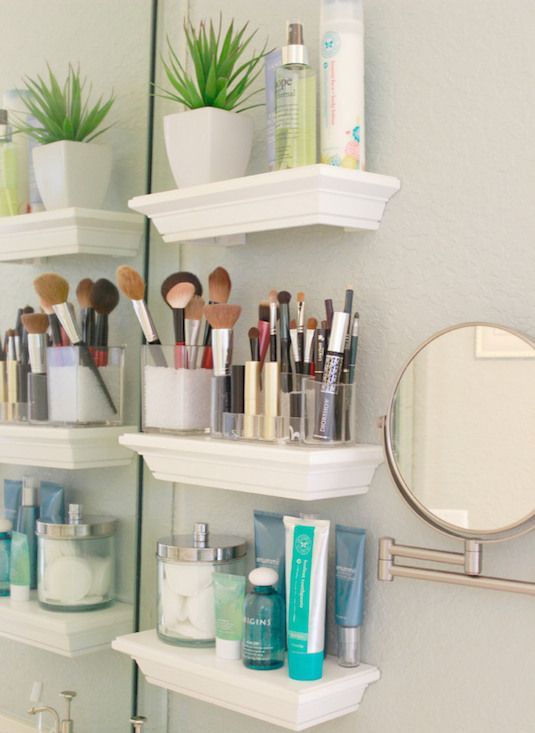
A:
[463,427]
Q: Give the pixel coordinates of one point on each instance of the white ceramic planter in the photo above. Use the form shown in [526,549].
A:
[72,174]
[207,145]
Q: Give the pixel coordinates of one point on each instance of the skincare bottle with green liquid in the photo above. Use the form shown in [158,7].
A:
[295,104]
[264,622]
[9,205]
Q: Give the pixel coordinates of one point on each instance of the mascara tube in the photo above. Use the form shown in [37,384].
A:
[325,415]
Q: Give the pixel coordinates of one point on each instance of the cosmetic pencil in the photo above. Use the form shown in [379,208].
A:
[353,348]
[273,305]
[284,298]
[325,425]
[348,307]
[300,331]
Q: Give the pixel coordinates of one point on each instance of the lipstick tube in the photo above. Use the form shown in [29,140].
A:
[271,398]
[252,398]
[325,414]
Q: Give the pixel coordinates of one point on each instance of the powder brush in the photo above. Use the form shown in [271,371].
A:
[87,313]
[219,287]
[222,318]
[132,285]
[53,322]
[54,290]
[192,286]
[194,313]
[104,298]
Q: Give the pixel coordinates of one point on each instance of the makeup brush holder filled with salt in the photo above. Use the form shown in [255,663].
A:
[186,565]
[81,393]
[176,389]
[76,562]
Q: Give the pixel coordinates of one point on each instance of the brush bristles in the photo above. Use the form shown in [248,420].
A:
[104,296]
[263,311]
[10,333]
[46,307]
[83,292]
[180,277]
[293,323]
[284,297]
[51,288]
[195,308]
[130,282]
[222,315]
[312,323]
[300,297]
[273,297]
[180,295]
[35,322]
[254,333]
[219,285]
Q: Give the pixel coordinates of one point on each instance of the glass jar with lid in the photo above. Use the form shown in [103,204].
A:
[76,562]
[186,564]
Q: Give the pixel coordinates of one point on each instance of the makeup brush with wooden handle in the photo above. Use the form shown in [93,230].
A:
[54,289]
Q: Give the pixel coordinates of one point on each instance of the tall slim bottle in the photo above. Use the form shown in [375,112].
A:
[295,104]
[9,203]
[26,519]
[342,141]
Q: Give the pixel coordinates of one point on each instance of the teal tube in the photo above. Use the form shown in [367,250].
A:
[229,595]
[349,592]
[12,499]
[51,503]
[19,577]
[269,545]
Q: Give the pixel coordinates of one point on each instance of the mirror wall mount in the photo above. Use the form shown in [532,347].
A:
[468,564]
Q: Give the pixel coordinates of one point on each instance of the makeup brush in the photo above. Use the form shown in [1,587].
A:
[320,342]
[177,298]
[219,287]
[132,285]
[293,340]
[348,307]
[312,324]
[300,331]
[104,298]
[273,305]
[222,318]
[54,289]
[87,314]
[3,399]
[263,329]
[53,322]
[192,327]
[36,325]
[11,373]
[329,312]
[284,298]
[353,348]
[253,343]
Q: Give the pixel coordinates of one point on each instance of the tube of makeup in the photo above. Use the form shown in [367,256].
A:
[12,499]
[269,543]
[325,421]
[19,574]
[306,589]
[51,503]
[229,596]
[349,593]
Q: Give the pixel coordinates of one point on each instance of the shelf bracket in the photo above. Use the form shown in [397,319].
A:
[470,560]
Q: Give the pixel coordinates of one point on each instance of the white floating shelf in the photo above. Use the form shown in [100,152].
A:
[269,696]
[291,472]
[223,212]
[69,448]
[67,634]
[69,232]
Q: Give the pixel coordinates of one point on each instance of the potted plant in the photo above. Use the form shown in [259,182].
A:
[70,168]
[212,141]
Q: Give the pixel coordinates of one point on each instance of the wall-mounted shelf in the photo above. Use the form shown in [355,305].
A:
[269,696]
[67,634]
[69,232]
[305,473]
[69,448]
[223,212]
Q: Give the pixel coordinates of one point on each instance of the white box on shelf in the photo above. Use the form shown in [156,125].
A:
[223,212]
[306,473]
[67,634]
[69,231]
[269,696]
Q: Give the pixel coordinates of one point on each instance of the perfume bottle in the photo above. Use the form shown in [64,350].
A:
[9,205]
[264,622]
[295,104]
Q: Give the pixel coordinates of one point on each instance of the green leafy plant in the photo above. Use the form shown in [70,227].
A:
[62,112]
[221,77]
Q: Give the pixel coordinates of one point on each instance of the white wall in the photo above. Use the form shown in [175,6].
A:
[450,111]
[110,40]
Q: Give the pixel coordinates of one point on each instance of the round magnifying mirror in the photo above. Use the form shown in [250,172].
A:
[460,432]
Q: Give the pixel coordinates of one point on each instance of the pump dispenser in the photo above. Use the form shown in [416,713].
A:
[295,103]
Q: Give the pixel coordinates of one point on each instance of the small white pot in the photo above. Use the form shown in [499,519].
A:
[207,144]
[70,173]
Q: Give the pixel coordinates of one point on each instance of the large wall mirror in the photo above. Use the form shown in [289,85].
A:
[110,42]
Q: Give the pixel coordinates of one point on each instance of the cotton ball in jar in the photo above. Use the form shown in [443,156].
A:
[188,579]
[201,611]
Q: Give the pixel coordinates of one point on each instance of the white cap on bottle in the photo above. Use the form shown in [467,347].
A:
[263,577]
[342,10]
[19,593]
[5,525]
[227,649]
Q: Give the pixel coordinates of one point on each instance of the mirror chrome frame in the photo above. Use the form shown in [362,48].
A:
[523,526]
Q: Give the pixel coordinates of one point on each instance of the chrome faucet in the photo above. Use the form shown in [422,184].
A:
[60,726]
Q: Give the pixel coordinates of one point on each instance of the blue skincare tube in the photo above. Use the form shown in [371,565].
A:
[26,520]
[349,592]
[51,503]
[269,544]
[12,499]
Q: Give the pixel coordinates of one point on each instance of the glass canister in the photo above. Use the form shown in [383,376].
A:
[186,564]
[76,562]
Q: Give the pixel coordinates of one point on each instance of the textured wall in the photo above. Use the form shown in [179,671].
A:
[450,111]
[110,40]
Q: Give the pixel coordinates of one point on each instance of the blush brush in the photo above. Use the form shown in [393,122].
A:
[177,293]
[194,313]
[104,298]
[132,285]
[54,289]
[87,313]
[219,287]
